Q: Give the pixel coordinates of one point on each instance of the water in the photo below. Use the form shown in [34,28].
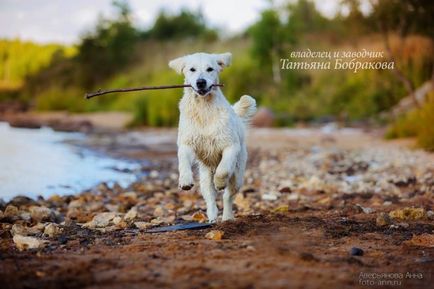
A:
[41,162]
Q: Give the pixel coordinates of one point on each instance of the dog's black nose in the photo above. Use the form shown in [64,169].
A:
[201,83]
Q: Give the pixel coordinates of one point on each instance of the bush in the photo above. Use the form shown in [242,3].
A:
[417,123]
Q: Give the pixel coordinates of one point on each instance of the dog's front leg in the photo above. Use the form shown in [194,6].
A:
[226,166]
[185,162]
[208,192]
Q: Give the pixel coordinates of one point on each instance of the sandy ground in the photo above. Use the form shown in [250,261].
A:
[311,201]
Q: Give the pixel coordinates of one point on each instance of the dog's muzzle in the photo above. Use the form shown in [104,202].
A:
[202,88]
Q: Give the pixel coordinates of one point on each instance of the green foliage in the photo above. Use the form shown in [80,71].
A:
[304,18]
[20,59]
[416,123]
[184,25]
[268,37]
[104,51]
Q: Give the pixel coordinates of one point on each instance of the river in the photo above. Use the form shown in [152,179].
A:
[43,162]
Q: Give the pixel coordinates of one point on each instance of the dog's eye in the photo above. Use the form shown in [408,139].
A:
[192,69]
[209,69]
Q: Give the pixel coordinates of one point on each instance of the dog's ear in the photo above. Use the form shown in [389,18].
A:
[224,59]
[177,64]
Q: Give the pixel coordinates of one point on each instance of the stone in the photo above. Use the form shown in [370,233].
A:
[408,214]
[269,197]
[40,214]
[52,230]
[26,243]
[101,220]
[215,235]
[131,214]
[199,217]
[143,225]
[11,212]
[356,251]
[19,229]
[264,117]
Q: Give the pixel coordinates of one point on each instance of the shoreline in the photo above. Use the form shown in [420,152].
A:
[306,191]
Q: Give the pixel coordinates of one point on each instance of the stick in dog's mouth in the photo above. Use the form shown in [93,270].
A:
[205,92]
[101,92]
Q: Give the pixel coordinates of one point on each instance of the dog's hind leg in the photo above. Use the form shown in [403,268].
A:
[208,192]
[228,198]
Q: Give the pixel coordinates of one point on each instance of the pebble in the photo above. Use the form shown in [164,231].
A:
[269,197]
[39,214]
[143,225]
[356,251]
[131,214]
[25,242]
[215,235]
[101,220]
[199,217]
[10,212]
[19,229]
[408,214]
[52,230]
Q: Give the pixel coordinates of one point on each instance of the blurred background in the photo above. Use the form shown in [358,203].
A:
[52,52]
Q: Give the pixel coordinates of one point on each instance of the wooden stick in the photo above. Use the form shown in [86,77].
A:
[101,92]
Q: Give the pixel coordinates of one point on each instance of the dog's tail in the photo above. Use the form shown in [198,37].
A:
[245,108]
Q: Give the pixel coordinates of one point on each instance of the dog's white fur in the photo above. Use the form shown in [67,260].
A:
[211,132]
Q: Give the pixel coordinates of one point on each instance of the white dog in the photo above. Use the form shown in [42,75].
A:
[211,131]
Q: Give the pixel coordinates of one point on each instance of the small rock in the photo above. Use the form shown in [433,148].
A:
[143,225]
[101,220]
[215,235]
[408,214]
[131,214]
[51,230]
[159,211]
[11,212]
[199,217]
[19,229]
[25,243]
[383,219]
[154,174]
[21,201]
[117,220]
[269,197]
[366,210]
[285,190]
[356,251]
[40,214]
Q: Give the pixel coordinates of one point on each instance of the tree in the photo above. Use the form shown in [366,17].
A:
[109,47]
[184,25]
[269,37]
[403,17]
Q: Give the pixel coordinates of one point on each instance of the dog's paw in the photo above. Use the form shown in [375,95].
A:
[228,217]
[212,213]
[220,181]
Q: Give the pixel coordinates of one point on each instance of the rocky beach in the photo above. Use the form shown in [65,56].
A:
[340,208]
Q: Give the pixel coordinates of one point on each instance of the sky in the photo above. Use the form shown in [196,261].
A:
[63,21]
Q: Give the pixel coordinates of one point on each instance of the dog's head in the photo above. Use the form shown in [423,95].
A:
[201,70]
